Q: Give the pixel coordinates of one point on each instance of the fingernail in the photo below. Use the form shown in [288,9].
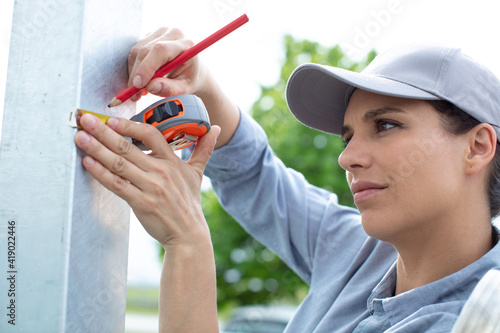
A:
[88,119]
[112,122]
[138,81]
[156,89]
[88,160]
[83,137]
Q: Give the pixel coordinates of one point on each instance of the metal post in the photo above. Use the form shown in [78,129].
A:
[63,237]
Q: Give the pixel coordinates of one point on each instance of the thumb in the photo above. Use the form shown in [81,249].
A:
[203,150]
[162,86]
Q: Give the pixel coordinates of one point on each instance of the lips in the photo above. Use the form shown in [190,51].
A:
[363,190]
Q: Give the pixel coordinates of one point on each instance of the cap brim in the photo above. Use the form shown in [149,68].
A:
[317,95]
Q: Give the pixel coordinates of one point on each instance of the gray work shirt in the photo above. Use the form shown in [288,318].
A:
[352,276]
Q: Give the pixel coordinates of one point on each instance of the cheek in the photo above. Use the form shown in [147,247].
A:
[431,153]
[427,174]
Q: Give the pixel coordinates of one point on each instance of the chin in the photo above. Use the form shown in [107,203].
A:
[378,226]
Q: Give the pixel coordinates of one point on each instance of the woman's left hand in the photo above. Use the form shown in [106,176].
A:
[162,190]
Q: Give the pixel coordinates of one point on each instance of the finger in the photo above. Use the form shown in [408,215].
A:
[155,34]
[203,150]
[114,163]
[167,87]
[162,87]
[135,61]
[148,38]
[142,49]
[134,52]
[111,181]
[158,55]
[115,152]
[150,136]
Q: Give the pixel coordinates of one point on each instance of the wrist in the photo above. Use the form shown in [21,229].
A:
[222,111]
[209,90]
[198,238]
[196,251]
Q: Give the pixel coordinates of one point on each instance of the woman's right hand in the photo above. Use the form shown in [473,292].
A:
[192,77]
[155,50]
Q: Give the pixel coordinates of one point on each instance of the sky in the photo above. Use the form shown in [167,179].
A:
[252,55]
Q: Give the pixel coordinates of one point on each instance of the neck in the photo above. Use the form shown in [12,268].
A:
[428,256]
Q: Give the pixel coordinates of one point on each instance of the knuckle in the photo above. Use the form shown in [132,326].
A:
[161,47]
[119,165]
[143,52]
[189,42]
[151,205]
[176,33]
[137,49]
[118,184]
[161,31]
[160,192]
[124,147]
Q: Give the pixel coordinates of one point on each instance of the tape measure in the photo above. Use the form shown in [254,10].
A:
[181,119]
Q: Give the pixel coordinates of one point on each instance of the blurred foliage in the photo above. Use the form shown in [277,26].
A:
[142,299]
[308,151]
[247,272]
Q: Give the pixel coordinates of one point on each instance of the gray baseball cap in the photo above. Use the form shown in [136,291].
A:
[318,95]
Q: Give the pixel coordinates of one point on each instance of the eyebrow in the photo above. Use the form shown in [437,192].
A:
[373,114]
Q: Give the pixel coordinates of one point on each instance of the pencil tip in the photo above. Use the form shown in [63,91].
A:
[114,102]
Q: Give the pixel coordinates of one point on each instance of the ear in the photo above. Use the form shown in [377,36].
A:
[482,146]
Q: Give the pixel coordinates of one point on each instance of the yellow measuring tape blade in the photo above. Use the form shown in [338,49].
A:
[74,117]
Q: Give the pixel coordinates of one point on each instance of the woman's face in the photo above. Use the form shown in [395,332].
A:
[404,169]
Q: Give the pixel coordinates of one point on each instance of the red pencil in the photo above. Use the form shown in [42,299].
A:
[182,58]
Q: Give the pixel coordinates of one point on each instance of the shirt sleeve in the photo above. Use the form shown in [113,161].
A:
[277,205]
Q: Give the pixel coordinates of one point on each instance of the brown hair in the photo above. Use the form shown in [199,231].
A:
[457,121]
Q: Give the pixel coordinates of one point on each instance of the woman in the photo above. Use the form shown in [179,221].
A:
[420,158]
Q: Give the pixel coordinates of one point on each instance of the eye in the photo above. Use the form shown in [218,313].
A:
[383,125]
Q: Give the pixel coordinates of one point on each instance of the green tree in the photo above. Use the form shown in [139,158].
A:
[247,272]
[308,151]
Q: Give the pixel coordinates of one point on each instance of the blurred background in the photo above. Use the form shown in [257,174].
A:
[252,64]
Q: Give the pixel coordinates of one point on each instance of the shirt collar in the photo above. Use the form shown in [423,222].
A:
[455,287]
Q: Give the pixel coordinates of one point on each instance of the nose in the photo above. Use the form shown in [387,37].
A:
[356,155]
